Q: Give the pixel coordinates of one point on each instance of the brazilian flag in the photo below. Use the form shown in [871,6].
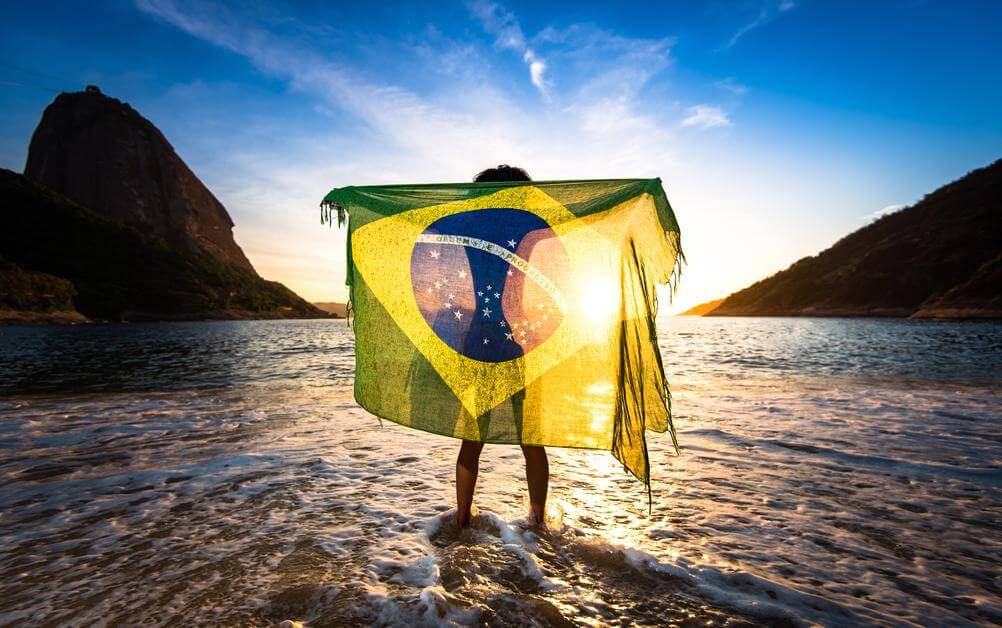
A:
[513,312]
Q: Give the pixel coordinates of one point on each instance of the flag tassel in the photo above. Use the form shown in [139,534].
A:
[327,209]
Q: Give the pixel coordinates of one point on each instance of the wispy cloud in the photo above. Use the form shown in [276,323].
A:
[537,71]
[732,86]
[599,123]
[706,117]
[594,61]
[471,119]
[880,213]
[504,26]
[766,14]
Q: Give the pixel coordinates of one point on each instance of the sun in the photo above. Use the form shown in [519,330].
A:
[599,300]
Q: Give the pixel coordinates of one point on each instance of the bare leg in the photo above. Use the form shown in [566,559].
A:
[467,467]
[537,475]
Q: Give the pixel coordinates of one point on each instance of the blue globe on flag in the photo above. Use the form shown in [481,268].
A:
[480,286]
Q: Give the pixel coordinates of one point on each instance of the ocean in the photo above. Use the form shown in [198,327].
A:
[833,472]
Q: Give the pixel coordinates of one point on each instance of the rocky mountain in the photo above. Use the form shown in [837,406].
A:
[101,153]
[109,220]
[941,257]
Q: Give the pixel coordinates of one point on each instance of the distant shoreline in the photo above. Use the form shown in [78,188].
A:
[944,314]
[10,318]
[712,309]
[17,318]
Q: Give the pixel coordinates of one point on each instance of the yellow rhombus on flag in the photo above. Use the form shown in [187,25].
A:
[513,312]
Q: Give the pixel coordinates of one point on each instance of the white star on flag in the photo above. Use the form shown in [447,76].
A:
[462,274]
[434,254]
[487,312]
[511,244]
[458,314]
[486,341]
[509,336]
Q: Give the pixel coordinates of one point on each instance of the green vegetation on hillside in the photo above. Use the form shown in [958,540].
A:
[122,274]
[29,291]
[979,296]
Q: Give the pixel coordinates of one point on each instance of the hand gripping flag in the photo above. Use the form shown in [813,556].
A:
[514,312]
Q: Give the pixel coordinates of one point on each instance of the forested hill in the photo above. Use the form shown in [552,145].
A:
[941,257]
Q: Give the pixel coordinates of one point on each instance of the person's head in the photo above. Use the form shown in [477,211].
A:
[504,172]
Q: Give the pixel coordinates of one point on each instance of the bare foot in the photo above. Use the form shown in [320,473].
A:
[535,521]
[461,523]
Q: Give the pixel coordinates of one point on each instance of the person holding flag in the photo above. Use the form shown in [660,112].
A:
[512,311]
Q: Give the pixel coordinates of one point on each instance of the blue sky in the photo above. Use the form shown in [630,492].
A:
[777,127]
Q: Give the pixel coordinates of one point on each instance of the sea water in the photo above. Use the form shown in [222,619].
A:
[833,472]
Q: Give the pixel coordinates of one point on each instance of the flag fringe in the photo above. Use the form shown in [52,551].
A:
[327,209]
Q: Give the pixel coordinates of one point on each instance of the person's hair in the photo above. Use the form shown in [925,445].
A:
[504,172]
